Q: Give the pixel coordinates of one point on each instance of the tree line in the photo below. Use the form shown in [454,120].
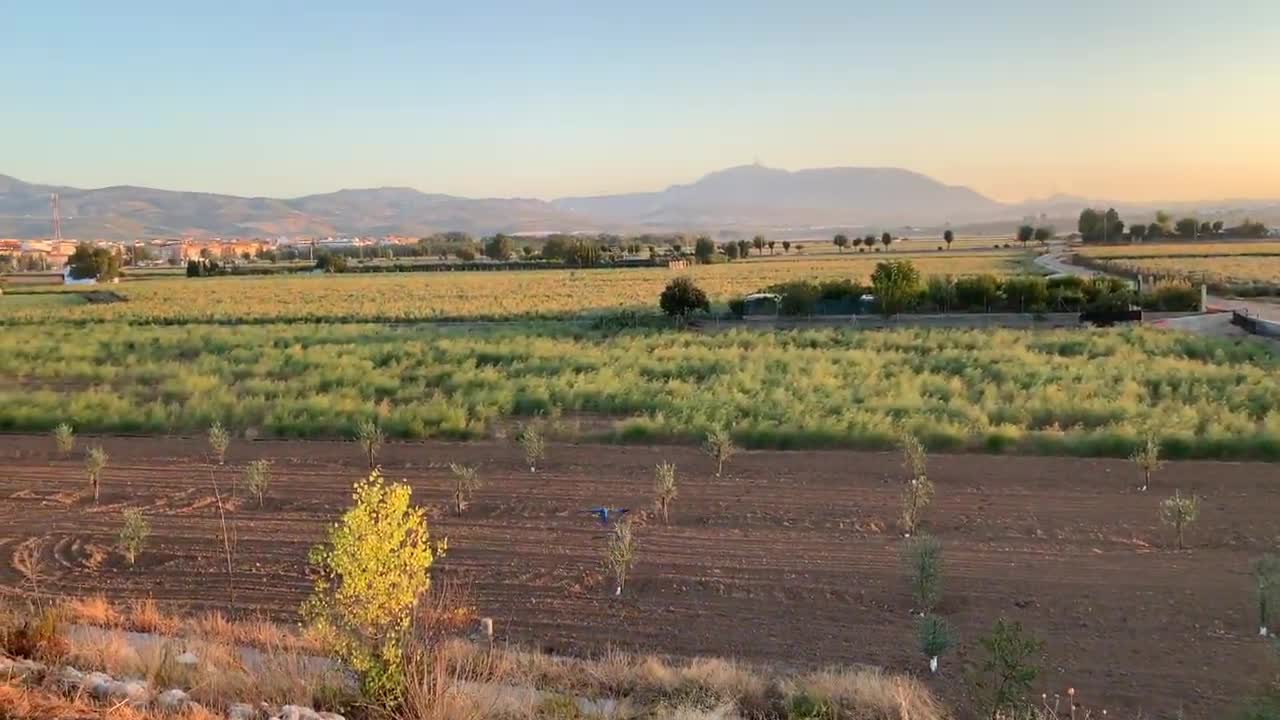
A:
[1096,226]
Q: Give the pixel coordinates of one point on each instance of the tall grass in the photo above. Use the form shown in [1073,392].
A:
[1068,392]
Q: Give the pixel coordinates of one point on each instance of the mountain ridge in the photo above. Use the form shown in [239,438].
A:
[746,198]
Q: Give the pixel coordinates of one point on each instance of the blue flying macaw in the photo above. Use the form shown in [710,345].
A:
[603,514]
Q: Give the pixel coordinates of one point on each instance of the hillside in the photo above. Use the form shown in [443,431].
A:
[748,199]
[127,212]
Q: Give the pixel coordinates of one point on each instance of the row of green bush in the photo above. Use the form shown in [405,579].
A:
[981,293]
[1052,391]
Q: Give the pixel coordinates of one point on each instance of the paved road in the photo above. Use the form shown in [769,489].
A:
[1055,261]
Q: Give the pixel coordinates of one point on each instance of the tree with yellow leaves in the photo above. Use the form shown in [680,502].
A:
[372,569]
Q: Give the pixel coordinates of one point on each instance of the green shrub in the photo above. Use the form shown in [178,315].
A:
[798,298]
[940,292]
[1026,293]
[1171,296]
[978,292]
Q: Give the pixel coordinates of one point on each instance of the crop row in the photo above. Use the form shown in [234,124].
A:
[1071,392]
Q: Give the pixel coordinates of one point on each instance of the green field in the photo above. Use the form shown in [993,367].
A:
[1069,392]
[38,303]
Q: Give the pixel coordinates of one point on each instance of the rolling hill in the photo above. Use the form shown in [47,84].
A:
[127,212]
[748,198]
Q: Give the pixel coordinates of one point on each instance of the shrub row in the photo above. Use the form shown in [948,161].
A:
[982,293]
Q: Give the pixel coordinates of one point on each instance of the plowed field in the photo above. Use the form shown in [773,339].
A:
[790,558]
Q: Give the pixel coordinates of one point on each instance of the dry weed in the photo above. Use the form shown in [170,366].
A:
[145,616]
[93,610]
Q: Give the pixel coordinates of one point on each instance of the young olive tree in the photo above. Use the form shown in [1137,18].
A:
[465,482]
[370,437]
[133,533]
[534,445]
[257,478]
[219,440]
[935,638]
[94,463]
[923,557]
[620,553]
[664,482]
[1266,576]
[719,445]
[1009,669]
[64,438]
[1180,511]
[371,571]
[918,491]
[1147,458]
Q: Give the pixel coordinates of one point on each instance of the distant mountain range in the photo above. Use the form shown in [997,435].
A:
[747,198]
[752,195]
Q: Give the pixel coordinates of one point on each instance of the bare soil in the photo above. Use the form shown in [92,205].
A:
[790,558]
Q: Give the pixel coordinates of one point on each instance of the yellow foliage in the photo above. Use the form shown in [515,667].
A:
[372,570]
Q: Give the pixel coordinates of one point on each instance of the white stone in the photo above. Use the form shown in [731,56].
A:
[133,691]
[241,711]
[98,685]
[20,667]
[330,716]
[68,677]
[172,701]
[187,658]
[297,712]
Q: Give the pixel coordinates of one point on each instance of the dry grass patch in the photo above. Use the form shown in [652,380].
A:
[93,610]
[145,616]
[870,693]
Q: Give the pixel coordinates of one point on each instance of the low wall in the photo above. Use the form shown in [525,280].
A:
[1255,325]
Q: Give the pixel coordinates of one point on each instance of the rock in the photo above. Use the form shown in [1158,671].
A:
[134,692]
[297,712]
[242,711]
[97,684]
[188,659]
[18,668]
[172,701]
[67,678]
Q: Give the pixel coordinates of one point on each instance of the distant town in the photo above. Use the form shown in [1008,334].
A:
[50,255]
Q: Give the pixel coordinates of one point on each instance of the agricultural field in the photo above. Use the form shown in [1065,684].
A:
[1064,392]
[422,296]
[1144,250]
[1225,270]
[38,301]
[791,558]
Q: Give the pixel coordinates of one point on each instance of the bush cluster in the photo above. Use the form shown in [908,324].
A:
[981,293]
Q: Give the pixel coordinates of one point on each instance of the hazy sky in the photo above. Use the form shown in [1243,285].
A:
[1128,99]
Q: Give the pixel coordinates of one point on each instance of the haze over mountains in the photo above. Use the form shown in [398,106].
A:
[748,198]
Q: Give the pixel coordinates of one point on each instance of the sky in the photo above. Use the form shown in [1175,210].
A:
[1128,99]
